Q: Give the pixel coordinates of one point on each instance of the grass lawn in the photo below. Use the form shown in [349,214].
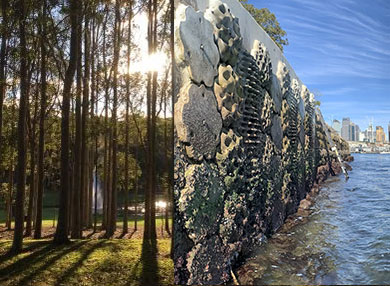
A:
[87,262]
[49,223]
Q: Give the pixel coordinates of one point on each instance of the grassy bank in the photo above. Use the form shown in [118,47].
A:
[87,262]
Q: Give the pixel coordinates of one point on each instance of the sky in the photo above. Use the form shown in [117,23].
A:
[340,49]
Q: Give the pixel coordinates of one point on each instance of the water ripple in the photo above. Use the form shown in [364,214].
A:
[344,240]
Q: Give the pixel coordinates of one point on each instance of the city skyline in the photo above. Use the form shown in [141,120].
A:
[351,131]
[340,49]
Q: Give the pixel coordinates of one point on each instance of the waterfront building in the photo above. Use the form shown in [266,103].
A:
[357,132]
[388,131]
[363,136]
[345,128]
[380,134]
[336,125]
[352,132]
[370,134]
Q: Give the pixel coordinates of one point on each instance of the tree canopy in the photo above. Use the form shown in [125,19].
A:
[268,22]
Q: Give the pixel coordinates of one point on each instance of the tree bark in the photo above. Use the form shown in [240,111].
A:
[3,49]
[171,175]
[77,191]
[113,217]
[41,148]
[94,118]
[32,195]
[125,214]
[84,124]
[106,170]
[21,165]
[61,235]
[9,198]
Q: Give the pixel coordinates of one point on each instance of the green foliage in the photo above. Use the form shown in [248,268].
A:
[268,22]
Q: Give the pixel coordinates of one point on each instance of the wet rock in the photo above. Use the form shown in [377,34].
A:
[201,201]
[228,94]
[276,131]
[226,30]
[276,93]
[284,78]
[207,263]
[197,126]
[263,61]
[198,50]
[305,204]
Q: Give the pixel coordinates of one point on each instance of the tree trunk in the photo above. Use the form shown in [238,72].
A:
[41,148]
[152,148]
[84,119]
[94,104]
[147,224]
[166,167]
[106,170]
[77,191]
[21,165]
[32,195]
[136,186]
[117,28]
[3,49]
[125,215]
[172,46]
[61,235]
[9,197]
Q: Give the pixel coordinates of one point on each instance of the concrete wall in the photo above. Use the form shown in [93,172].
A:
[246,138]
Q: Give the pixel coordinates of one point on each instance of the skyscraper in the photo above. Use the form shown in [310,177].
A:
[388,131]
[370,133]
[357,132]
[345,128]
[336,125]
[380,135]
[352,132]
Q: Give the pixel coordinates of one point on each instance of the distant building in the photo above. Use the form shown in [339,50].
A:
[336,125]
[345,128]
[380,134]
[370,134]
[352,132]
[362,136]
[357,133]
[388,131]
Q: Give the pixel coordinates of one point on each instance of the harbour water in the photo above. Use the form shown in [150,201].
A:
[343,239]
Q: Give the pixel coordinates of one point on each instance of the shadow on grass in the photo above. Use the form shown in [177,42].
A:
[61,280]
[128,234]
[45,245]
[149,275]
[43,256]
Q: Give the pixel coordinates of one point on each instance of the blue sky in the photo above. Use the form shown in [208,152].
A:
[341,49]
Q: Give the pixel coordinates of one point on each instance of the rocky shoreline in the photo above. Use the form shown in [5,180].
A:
[240,269]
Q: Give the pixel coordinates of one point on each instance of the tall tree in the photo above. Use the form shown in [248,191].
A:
[151,89]
[21,165]
[125,214]
[3,83]
[41,147]
[107,131]
[84,121]
[117,33]
[32,195]
[78,202]
[61,235]
[269,23]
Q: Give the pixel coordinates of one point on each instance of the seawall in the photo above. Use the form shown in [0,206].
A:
[248,141]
